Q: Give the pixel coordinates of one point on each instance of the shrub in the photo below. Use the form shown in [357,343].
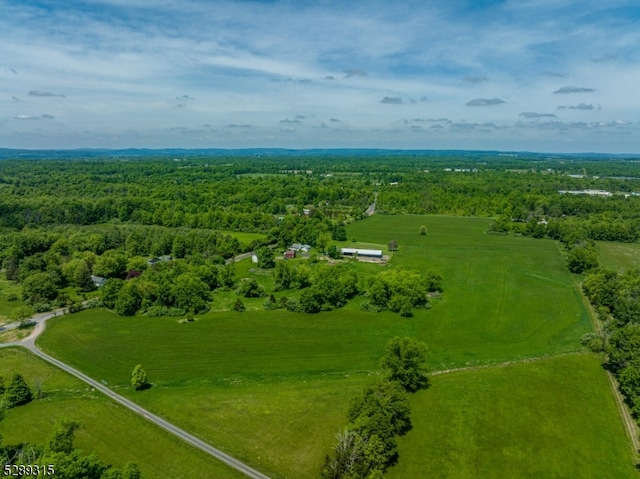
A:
[238,305]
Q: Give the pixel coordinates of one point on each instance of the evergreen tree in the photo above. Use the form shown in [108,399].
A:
[18,392]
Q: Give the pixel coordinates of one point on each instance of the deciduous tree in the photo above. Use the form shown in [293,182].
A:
[404,360]
[139,378]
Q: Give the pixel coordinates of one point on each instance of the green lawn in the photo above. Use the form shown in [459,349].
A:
[6,306]
[243,237]
[505,297]
[619,256]
[554,418]
[114,433]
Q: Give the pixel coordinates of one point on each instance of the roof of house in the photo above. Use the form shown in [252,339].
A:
[361,252]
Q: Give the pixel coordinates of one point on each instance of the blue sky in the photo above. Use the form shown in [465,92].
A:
[537,75]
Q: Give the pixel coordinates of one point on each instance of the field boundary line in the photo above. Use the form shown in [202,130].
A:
[533,359]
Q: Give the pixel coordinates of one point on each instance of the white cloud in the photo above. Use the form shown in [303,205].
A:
[119,66]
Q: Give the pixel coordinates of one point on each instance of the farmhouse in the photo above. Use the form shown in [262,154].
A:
[289,254]
[367,253]
[300,247]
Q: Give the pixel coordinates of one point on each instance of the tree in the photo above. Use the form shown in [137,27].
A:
[399,303]
[393,245]
[21,313]
[266,257]
[139,379]
[129,299]
[61,438]
[250,288]
[191,293]
[423,230]
[581,259]
[323,240]
[82,278]
[334,252]
[110,291]
[18,392]
[112,264]
[131,471]
[404,361]
[39,287]
[339,233]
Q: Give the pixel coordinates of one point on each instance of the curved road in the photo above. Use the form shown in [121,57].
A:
[30,343]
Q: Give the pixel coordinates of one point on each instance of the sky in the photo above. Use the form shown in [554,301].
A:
[516,75]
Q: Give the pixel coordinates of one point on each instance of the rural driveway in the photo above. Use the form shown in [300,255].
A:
[30,343]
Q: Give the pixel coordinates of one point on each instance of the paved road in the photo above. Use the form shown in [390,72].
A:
[29,343]
[372,207]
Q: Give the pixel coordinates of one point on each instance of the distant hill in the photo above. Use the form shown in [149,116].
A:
[7,153]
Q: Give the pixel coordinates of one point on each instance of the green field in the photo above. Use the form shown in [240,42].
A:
[505,297]
[619,256]
[243,237]
[6,306]
[107,428]
[273,387]
[554,418]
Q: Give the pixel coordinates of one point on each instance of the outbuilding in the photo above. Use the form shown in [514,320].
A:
[366,253]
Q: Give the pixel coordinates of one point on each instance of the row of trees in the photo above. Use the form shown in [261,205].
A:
[616,297]
[367,446]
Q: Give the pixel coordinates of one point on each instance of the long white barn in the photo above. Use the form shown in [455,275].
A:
[368,253]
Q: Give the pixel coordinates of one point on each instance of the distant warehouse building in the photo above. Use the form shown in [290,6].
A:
[366,253]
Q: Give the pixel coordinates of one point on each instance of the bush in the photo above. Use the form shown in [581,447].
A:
[370,307]
[93,303]
[238,305]
[12,297]
[594,341]
[271,303]
[249,288]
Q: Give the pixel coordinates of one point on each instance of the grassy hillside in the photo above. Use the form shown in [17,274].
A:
[107,428]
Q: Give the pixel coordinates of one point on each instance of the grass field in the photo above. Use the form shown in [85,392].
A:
[243,237]
[107,428]
[554,418]
[505,297]
[6,306]
[273,387]
[619,256]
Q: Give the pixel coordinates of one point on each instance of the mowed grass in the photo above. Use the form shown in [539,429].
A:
[619,256]
[242,236]
[504,297]
[114,433]
[554,418]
